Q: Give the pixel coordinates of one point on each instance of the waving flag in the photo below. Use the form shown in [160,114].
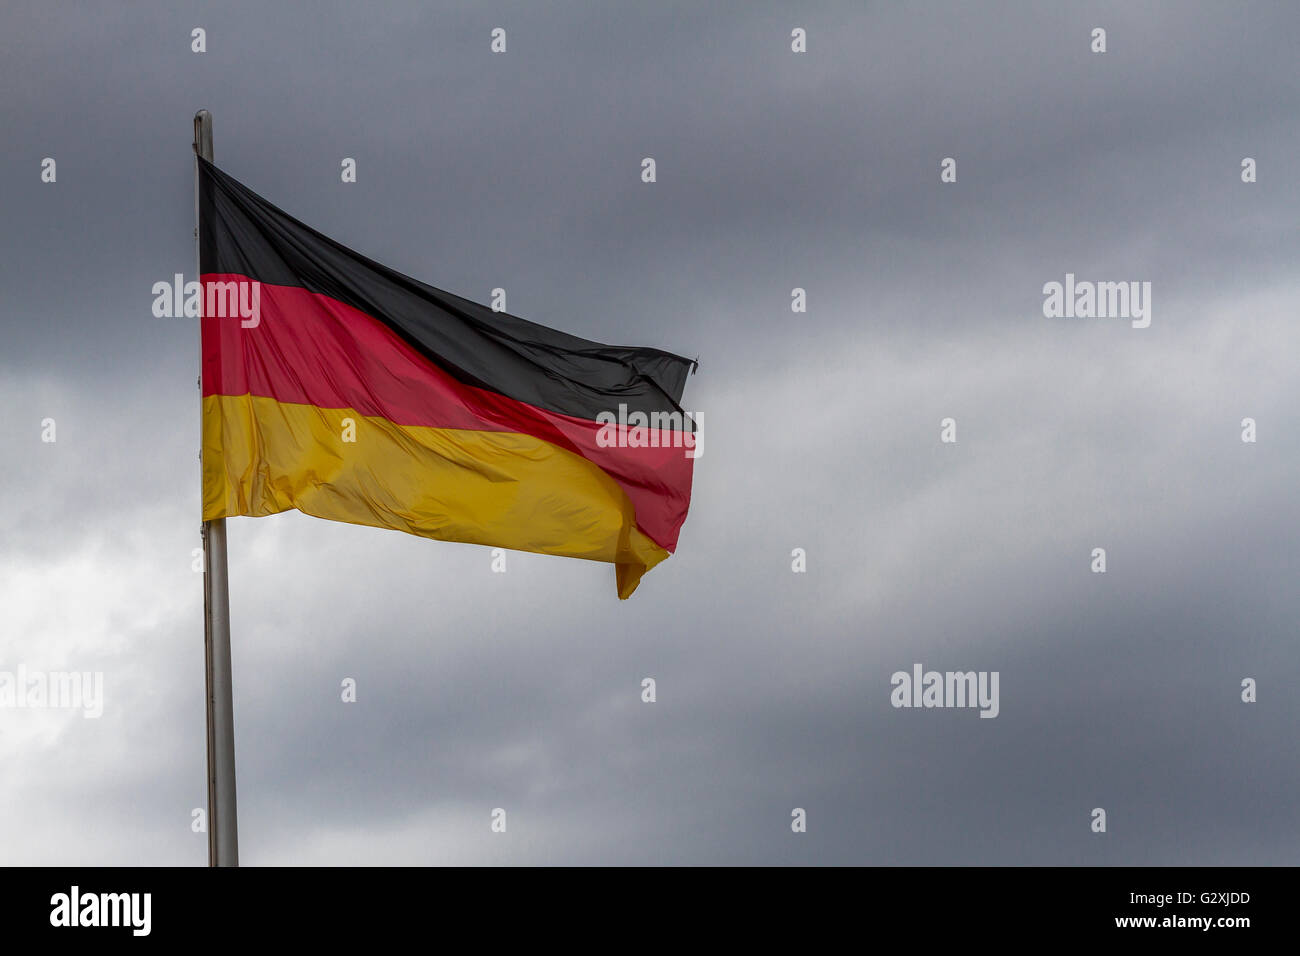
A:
[338,387]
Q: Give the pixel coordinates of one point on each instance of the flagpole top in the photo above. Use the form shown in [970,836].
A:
[203,134]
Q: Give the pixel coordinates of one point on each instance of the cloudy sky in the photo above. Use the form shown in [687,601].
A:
[775,170]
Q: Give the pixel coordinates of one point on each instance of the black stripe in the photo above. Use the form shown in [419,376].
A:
[243,234]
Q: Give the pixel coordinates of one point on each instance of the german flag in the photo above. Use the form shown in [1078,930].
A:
[338,387]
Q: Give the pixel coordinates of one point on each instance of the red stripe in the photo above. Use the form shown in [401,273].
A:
[314,350]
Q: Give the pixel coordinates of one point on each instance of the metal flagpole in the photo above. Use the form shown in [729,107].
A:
[223,830]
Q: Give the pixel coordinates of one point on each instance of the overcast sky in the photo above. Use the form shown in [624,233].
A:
[775,170]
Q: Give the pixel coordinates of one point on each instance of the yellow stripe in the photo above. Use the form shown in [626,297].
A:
[502,489]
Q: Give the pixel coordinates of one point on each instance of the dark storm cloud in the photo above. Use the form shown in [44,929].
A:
[522,690]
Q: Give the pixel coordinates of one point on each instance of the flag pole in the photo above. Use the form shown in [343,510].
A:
[223,830]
